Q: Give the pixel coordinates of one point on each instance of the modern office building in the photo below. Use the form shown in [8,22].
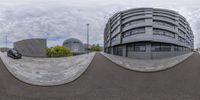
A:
[32,47]
[75,45]
[148,33]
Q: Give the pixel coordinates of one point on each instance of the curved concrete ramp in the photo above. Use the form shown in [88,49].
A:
[47,71]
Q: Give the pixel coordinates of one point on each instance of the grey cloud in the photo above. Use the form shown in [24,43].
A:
[66,19]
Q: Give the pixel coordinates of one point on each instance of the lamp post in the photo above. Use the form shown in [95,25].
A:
[88,37]
[6,42]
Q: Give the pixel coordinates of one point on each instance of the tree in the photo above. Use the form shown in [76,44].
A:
[95,47]
[58,51]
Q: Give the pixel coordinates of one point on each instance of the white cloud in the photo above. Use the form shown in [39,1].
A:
[58,20]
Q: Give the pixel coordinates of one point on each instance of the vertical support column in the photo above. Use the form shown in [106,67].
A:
[121,37]
[124,51]
[88,37]
[109,33]
[172,51]
[111,50]
[149,22]
[148,50]
[176,37]
[149,37]
[172,48]
[176,28]
[120,26]
[6,43]
[149,30]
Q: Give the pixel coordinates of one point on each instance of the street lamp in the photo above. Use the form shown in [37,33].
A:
[4,49]
[6,43]
[88,37]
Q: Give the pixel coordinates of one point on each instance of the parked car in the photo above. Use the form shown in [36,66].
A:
[12,53]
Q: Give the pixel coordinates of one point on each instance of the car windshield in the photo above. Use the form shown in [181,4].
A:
[14,51]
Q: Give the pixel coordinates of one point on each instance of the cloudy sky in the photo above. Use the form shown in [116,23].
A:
[58,20]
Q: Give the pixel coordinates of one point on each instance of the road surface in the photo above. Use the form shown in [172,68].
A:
[105,80]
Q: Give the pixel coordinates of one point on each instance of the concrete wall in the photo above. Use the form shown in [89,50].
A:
[32,47]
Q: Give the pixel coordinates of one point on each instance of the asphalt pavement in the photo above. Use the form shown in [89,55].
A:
[104,80]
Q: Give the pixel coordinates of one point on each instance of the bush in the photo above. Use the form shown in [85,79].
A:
[58,51]
[95,47]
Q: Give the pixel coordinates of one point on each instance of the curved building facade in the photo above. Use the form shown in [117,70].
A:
[148,33]
[75,45]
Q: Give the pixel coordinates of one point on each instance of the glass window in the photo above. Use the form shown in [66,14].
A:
[163,32]
[180,31]
[131,16]
[160,47]
[164,17]
[136,47]
[182,26]
[181,39]
[117,50]
[134,32]
[165,47]
[114,38]
[134,22]
[164,24]
[176,48]
[180,48]
[130,47]
[140,47]
[155,47]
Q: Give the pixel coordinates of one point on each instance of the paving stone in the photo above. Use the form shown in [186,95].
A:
[147,65]
[47,71]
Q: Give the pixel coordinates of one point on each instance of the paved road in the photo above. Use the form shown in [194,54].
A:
[106,81]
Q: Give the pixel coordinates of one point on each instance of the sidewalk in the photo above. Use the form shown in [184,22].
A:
[47,71]
[143,65]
